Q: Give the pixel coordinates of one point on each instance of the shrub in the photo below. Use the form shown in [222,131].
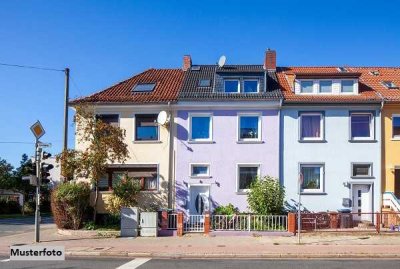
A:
[8,206]
[29,207]
[266,196]
[125,194]
[226,210]
[69,203]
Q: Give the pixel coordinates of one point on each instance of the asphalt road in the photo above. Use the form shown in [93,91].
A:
[13,226]
[123,263]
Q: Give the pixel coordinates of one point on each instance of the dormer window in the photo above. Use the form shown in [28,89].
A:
[306,86]
[347,86]
[250,85]
[231,86]
[390,84]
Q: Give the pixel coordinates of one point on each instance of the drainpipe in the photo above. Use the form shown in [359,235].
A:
[171,158]
[382,147]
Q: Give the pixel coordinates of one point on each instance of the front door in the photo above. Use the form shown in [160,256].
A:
[361,202]
[199,199]
[397,183]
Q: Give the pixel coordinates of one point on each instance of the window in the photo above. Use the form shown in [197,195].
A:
[204,83]
[325,86]
[361,126]
[148,177]
[112,119]
[306,86]
[249,127]
[361,170]
[312,178]
[146,127]
[247,173]
[250,86]
[200,127]
[347,86]
[200,170]
[311,126]
[117,177]
[231,85]
[144,87]
[390,84]
[396,126]
[103,183]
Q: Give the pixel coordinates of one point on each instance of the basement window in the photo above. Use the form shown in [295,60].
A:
[144,87]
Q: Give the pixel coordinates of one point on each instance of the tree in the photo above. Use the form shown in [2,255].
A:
[104,144]
[266,196]
[6,173]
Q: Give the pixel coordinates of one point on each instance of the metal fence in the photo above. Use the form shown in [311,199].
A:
[194,223]
[350,222]
[249,223]
[172,221]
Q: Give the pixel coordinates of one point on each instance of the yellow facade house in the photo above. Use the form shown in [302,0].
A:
[134,105]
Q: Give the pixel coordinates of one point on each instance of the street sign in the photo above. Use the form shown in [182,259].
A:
[32,179]
[37,130]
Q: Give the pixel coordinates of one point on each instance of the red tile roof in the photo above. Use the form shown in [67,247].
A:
[168,83]
[367,94]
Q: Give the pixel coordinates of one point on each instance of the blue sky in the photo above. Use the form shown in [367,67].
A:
[103,42]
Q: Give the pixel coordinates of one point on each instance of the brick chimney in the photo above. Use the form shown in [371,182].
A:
[187,62]
[270,60]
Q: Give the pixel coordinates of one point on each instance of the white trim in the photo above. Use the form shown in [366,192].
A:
[201,114]
[371,126]
[348,93]
[321,126]
[238,166]
[319,87]
[233,79]
[312,87]
[191,165]
[336,88]
[251,79]
[254,114]
[134,129]
[370,171]
[321,189]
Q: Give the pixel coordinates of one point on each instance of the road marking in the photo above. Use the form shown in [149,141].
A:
[134,263]
[6,260]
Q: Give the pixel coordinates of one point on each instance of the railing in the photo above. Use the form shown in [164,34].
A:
[194,223]
[249,222]
[172,221]
[390,200]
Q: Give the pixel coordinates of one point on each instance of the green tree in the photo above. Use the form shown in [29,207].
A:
[6,174]
[103,144]
[266,196]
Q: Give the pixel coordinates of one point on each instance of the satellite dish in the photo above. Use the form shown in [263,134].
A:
[162,118]
[221,61]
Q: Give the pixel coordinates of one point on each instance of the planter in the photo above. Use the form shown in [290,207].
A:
[87,233]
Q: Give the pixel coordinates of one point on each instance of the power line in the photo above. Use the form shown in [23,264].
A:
[15,142]
[32,67]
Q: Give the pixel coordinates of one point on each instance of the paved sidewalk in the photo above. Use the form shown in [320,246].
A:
[199,246]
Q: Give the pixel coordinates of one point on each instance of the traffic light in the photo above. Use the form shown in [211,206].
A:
[45,168]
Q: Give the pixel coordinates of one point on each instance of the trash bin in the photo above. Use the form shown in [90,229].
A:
[346,218]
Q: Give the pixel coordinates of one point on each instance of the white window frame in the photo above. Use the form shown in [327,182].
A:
[393,136]
[243,140]
[321,189]
[319,86]
[341,86]
[371,127]
[134,128]
[233,79]
[370,170]
[251,79]
[207,140]
[307,80]
[192,165]
[238,166]
[321,123]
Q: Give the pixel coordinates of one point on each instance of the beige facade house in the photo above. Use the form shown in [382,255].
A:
[134,105]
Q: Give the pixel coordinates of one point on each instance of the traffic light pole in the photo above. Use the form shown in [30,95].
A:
[38,175]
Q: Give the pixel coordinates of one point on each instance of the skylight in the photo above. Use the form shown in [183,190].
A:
[390,84]
[374,72]
[195,68]
[144,87]
[204,83]
[342,69]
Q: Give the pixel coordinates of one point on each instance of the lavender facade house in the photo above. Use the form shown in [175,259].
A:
[227,133]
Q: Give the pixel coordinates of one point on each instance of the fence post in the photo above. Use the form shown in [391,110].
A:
[179,224]
[333,220]
[291,223]
[206,223]
[249,222]
[378,223]
[164,220]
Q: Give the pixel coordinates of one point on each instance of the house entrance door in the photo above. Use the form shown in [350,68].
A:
[199,199]
[362,202]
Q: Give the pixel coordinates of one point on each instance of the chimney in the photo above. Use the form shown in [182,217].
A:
[187,62]
[270,60]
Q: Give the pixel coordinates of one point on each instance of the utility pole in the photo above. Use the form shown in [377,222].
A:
[38,153]
[66,100]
